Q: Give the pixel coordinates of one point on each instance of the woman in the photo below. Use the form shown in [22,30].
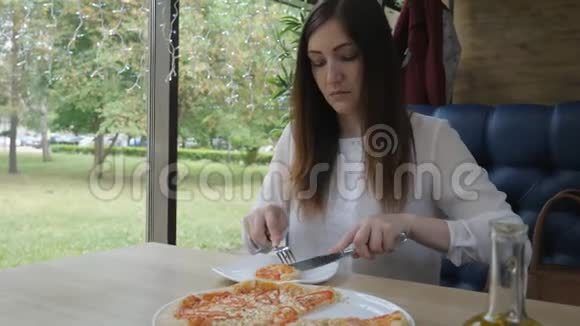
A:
[355,168]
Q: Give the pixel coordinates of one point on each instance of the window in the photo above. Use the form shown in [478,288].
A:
[73,105]
[232,103]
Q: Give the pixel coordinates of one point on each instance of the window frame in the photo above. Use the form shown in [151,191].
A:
[162,122]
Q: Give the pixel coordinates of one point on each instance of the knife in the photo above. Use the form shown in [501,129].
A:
[318,261]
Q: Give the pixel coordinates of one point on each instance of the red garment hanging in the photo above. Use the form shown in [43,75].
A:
[419,29]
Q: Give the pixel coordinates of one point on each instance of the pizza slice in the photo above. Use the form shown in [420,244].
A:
[314,300]
[277,272]
[393,319]
[208,308]
[291,300]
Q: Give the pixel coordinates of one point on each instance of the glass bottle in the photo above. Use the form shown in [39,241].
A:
[508,278]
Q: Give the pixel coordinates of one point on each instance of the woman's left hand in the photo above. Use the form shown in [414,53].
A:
[377,234]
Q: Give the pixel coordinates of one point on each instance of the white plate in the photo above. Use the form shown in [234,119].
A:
[352,304]
[246,267]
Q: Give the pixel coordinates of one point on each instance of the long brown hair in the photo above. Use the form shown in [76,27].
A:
[315,124]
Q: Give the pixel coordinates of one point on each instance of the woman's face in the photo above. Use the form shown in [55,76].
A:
[337,67]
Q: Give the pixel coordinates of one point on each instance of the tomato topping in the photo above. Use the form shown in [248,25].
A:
[236,302]
[314,299]
[269,274]
[203,314]
[190,301]
[285,315]
[216,296]
[268,297]
[274,272]
[211,314]
[384,319]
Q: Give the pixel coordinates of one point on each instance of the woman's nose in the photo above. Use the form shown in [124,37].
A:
[333,74]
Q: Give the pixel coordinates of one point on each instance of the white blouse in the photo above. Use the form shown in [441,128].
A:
[448,185]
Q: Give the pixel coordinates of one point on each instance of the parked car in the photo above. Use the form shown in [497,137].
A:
[190,143]
[65,139]
[31,141]
[266,149]
[137,142]
[220,143]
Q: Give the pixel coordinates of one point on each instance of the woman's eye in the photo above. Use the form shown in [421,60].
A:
[317,63]
[349,57]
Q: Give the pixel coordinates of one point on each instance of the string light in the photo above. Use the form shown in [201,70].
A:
[54,25]
[45,38]
[101,43]
[76,32]
[173,50]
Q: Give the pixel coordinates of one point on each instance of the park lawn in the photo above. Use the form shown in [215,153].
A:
[49,210]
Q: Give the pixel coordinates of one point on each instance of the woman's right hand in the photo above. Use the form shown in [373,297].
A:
[267,225]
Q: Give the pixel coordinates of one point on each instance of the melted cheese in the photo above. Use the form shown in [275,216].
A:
[254,303]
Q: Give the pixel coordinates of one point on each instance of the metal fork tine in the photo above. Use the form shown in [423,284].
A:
[280,257]
[280,254]
[286,257]
[292,258]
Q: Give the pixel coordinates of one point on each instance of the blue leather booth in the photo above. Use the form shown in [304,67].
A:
[531,152]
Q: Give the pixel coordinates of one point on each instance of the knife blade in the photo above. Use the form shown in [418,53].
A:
[318,261]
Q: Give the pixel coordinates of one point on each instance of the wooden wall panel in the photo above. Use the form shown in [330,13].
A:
[516,51]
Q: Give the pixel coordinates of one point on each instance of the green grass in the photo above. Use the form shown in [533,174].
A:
[49,210]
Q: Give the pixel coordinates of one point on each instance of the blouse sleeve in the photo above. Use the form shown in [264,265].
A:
[275,185]
[469,199]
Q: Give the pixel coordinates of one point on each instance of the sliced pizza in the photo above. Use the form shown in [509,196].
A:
[265,303]
[277,272]
[253,303]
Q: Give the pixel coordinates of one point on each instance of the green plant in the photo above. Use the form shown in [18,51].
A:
[287,39]
[197,154]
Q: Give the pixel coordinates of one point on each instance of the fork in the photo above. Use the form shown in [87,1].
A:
[285,254]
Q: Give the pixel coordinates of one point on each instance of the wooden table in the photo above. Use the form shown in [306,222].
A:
[127,286]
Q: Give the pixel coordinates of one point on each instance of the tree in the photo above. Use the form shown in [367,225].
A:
[101,49]
[38,75]
[85,63]
[13,23]
[225,64]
